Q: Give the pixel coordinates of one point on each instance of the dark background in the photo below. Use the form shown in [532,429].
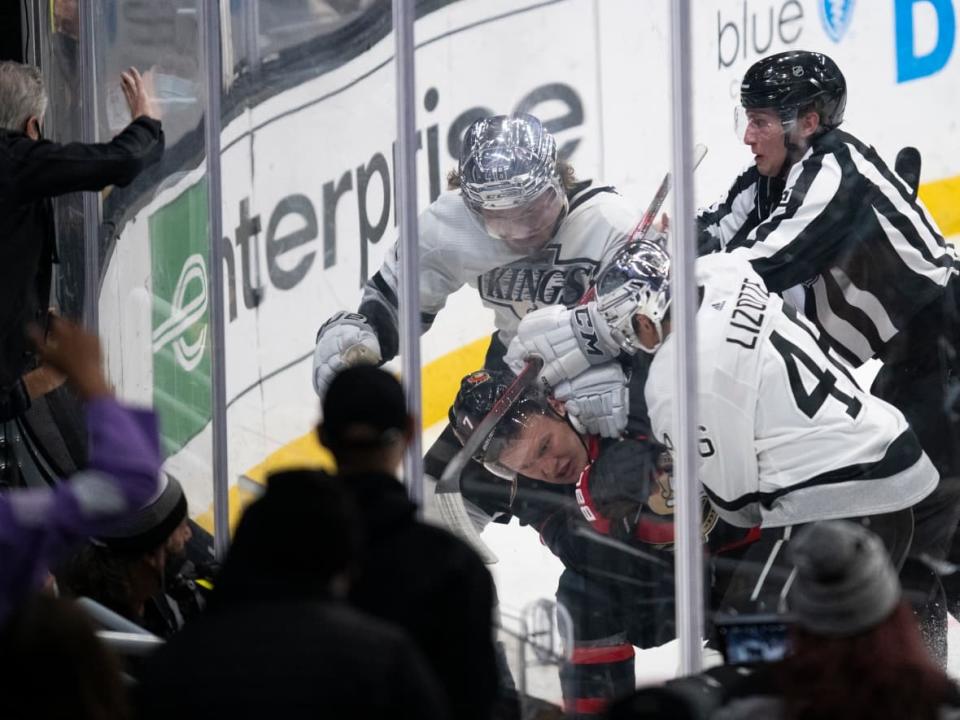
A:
[11,40]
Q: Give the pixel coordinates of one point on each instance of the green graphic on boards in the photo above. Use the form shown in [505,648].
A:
[181,331]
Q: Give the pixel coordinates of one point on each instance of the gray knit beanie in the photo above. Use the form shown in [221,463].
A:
[148,527]
[845,582]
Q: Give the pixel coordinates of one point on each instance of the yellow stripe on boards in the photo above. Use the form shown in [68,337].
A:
[441,380]
[237,502]
[942,198]
[305,451]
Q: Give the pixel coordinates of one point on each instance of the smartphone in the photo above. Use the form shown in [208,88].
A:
[748,639]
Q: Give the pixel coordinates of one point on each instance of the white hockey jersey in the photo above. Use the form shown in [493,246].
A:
[455,251]
[785,434]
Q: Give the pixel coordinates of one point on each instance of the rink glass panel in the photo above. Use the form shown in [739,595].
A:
[58,45]
[551,60]
[308,132]
[153,302]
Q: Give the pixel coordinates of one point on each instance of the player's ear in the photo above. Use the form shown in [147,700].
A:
[809,123]
[32,128]
[643,325]
[557,406]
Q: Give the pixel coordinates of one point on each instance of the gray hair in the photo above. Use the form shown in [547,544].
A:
[22,95]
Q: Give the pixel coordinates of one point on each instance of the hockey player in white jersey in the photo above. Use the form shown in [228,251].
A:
[786,435]
[518,228]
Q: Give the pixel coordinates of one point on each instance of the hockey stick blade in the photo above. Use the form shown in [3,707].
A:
[448,495]
[457,519]
[907,166]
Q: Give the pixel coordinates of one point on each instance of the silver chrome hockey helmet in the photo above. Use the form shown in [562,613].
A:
[509,162]
[636,281]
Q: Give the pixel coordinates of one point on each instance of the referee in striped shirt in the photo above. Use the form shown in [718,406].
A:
[844,239]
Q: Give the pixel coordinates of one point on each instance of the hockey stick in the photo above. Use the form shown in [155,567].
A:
[907,166]
[642,228]
[448,495]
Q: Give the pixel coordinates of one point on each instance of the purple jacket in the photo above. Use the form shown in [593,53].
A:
[39,525]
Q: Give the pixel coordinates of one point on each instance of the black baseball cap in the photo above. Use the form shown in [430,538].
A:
[364,406]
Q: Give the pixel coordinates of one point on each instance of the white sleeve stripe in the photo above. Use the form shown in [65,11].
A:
[96,494]
[870,171]
[743,204]
[838,329]
[30,507]
[866,301]
[911,256]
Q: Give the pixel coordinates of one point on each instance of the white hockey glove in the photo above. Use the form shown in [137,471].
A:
[569,340]
[597,400]
[346,339]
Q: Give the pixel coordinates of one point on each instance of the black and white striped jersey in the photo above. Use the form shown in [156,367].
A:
[786,436]
[841,238]
[456,251]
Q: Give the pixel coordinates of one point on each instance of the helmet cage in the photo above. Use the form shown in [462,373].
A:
[637,281]
[508,431]
[537,217]
[479,391]
[790,105]
[742,122]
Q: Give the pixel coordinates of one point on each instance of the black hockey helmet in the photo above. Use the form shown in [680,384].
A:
[478,392]
[795,80]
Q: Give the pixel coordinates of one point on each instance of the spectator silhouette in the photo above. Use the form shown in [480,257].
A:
[126,568]
[39,526]
[32,171]
[415,575]
[52,665]
[275,641]
[856,652]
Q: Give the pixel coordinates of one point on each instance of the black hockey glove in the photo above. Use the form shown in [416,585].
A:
[617,484]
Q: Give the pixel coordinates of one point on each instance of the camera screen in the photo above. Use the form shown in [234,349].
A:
[752,643]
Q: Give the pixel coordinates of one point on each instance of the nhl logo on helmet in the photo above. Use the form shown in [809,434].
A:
[791,82]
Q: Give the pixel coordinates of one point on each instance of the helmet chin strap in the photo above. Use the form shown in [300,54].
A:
[795,151]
